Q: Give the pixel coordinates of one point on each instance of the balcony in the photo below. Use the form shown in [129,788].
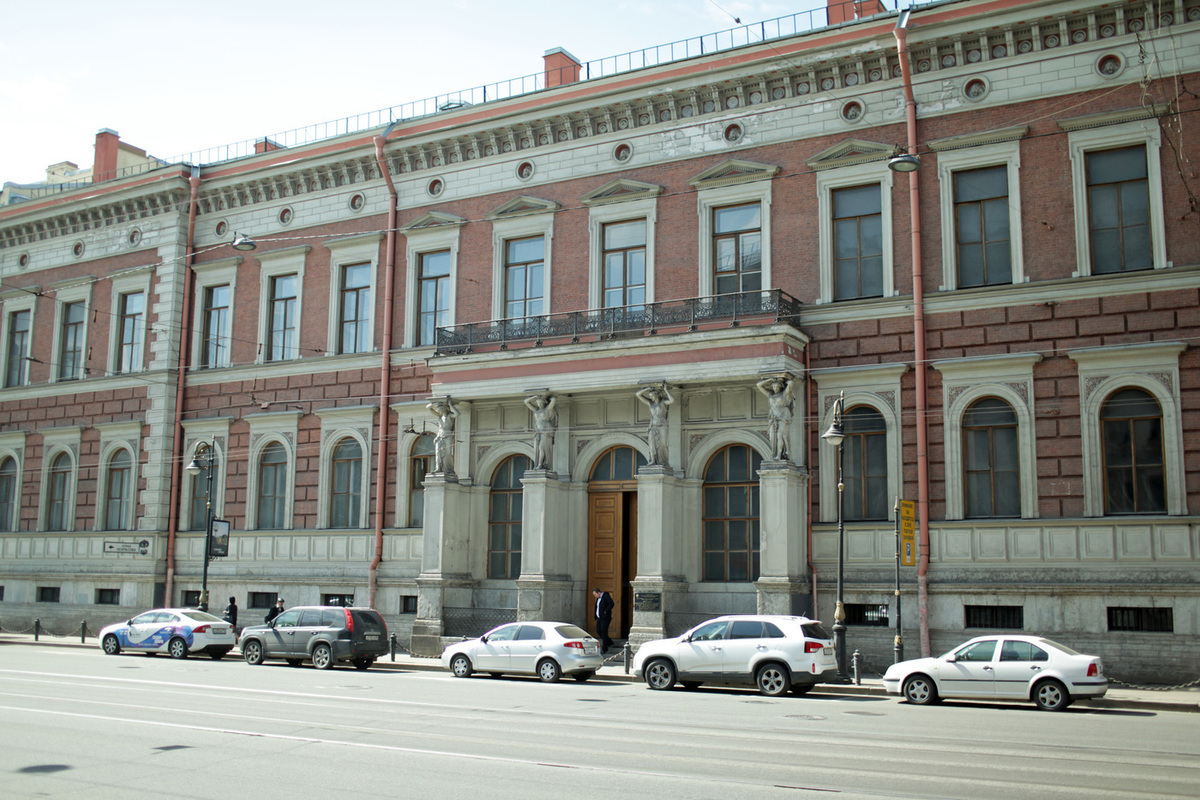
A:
[746,309]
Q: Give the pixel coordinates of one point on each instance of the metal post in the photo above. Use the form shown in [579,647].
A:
[208,526]
[392,646]
[83,632]
[835,436]
[37,629]
[898,647]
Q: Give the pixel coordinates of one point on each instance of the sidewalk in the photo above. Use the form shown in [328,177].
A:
[1118,697]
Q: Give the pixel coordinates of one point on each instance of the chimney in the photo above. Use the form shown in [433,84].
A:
[104,168]
[561,67]
[849,10]
[266,146]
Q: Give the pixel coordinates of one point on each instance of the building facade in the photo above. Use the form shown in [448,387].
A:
[464,366]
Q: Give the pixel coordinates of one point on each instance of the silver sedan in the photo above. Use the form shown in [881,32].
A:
[546,649]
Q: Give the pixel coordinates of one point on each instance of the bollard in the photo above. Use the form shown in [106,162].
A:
[83,632]
[857,678]
[392,646]
[625,653]
[37,629]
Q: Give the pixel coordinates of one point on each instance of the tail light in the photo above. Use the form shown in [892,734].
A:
[1093,670]
[576,645]
[201,629]
[349,620]
[813,647]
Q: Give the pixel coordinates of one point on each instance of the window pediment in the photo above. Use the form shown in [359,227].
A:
[733,171]
[620,190]
[1113,117]
[851,152]
[433,219]
[520,206]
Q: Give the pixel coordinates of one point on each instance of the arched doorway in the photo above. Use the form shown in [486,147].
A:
[612,534]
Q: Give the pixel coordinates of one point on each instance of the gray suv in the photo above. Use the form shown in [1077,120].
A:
[324,634]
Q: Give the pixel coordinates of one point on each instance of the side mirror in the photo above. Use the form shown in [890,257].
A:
[271,624]
[483,639]
[952,658]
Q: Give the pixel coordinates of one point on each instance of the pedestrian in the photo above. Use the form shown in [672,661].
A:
[275,611]
[231,616]
[604,610]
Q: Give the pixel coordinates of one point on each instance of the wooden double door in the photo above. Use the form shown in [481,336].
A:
[612,552]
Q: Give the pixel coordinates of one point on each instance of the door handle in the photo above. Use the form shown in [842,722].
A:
[989,669]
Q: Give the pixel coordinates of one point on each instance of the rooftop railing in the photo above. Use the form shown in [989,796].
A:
[653,319]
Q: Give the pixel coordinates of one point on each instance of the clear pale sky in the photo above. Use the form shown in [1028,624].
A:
[173,77]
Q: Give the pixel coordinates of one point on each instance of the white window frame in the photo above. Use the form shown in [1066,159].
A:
[420,241]
[338,424]
[521,227]
[117,436]
[601,215]
[15,304]
[966,380]
[129,282]
[756,191]
[844,178]
[12,445]
[1112,137]
[1006,154]
[264,430]
[345,253]
[877,386]
[280,264]
[214,432]
[1152,367]
[62,298]
[55,441]
[209,275]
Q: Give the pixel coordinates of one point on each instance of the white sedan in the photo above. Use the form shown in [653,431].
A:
[546,649]
[1001,668]
[176,631]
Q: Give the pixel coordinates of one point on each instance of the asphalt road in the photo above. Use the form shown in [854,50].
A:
[76,723]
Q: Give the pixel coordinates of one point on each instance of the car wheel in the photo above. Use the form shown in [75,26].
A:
[363,663]
[177,648]
[460,666]
[773,679]
[1051,695]
[660,674]
[295,662]
[549,671]
[583,677]
[691,685]
[801,689]
[111,645]
[920,690]
[252,652]
[322,656]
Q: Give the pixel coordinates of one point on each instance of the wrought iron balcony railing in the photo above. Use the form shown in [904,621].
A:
[676,316]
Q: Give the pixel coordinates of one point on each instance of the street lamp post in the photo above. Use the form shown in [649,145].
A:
[205,458]
[835,436]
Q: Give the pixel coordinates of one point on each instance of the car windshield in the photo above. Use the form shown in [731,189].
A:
[813,630]
[571,632]
[200,616]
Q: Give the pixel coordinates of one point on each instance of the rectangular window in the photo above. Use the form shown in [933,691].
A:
[261,599]
[108,597]
[132,319]
[524,271]
[70,347]
[214,350]
[116,508]
[48,594]
[408,603]
[1119,210]
[281,335]
[344,600]
[625,264]
[433,297]
[737,248]
[191,598]
[1143,620]
[356,309]
[1005,617]
[15,371]
[868,614]
[858,242]
[981,225]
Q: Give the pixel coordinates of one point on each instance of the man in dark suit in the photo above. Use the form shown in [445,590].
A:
[603,612]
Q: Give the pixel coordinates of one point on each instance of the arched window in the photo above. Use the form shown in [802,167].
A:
[504,519]
[1131,432]
[198,513]
[8,494]
[422,465]
[59,495]
[990,462]
[618,464]
[346,500]
[272,487]
[864,469]
[731,526]
[117,492]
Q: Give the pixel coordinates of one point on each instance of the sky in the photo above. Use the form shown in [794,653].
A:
[173,77]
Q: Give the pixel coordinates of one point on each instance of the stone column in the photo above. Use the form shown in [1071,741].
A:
[544,588]
[783,584]
[659,583]
[445,579]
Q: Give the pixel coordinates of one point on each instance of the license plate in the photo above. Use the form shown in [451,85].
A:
[372,637]
[591,651]
[219,631]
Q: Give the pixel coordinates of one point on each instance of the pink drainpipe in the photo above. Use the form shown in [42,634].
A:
[914,199]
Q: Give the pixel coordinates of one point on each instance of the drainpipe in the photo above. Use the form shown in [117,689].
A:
[389,268]
[914,198]
[185,334]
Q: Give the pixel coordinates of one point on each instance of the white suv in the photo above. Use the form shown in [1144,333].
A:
[774,653]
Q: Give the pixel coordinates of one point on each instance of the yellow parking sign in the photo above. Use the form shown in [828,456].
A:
[908,533]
